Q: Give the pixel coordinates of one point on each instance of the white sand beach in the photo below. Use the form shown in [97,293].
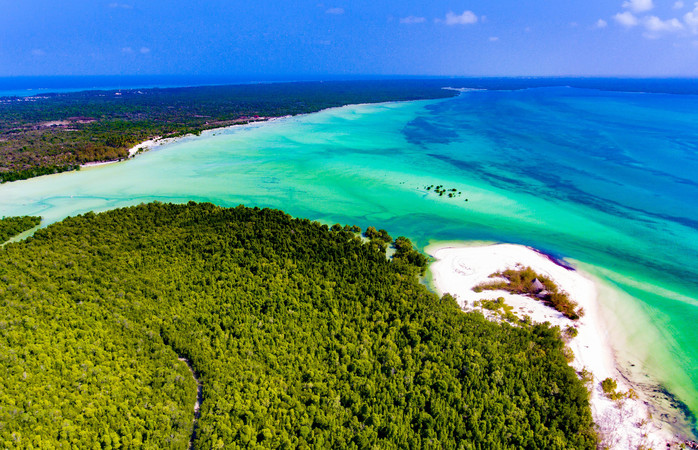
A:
[622,424]
[159,141]
[143,146]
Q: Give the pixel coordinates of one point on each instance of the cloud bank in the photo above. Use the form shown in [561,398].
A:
[654,26]
[467,18]
[638,6]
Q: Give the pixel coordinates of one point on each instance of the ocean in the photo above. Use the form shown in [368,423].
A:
[26,86]
[604,180]
[39,85]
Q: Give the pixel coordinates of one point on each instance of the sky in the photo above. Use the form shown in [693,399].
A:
[338,37]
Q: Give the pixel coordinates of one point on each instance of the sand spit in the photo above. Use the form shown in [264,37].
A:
[622,424]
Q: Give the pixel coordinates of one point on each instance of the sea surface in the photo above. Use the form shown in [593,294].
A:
[606,180]
[27,86]
[39,85]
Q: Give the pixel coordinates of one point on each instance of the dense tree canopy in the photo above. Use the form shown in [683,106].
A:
[302,336]
[12,226]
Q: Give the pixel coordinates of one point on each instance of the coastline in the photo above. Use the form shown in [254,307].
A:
[622,424]
[159,141]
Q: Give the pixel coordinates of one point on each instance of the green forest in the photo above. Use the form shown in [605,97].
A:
[302,336]
[12,226]
[52,133]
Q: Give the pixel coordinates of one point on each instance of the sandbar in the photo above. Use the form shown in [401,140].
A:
[621,424]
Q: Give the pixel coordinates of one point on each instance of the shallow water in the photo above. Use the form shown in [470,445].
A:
[605,179]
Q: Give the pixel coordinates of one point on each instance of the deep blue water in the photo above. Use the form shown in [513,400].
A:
[23,86]
[36,85]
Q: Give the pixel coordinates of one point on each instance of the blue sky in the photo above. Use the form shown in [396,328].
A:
[270,37]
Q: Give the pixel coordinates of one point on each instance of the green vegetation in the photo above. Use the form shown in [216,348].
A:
[609,387]
[587,378]
[378,239]
[57,132]
[521,281]
[570,332]
[441,190]
[504,311]
[12,226]
[408,260]
[301,336]
[378,235]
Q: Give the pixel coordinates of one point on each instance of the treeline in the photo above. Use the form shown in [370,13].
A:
[65,130]
[12,226]
[23,174]
[302,336]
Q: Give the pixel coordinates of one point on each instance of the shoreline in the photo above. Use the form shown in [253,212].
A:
[621,424]
[159,141]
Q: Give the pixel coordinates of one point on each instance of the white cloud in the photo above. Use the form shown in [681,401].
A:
[601,23]
[120,5]
[38,52]
[691,19]
[127,50]
[409,20]
[638,5]
[467,18]
[494,38]
[627,19]
[655,24]
[335,11]
[145,50]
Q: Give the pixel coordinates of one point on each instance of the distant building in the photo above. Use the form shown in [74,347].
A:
[537,286]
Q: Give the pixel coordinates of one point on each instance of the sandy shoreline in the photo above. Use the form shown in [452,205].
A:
[159,141]
[622,424]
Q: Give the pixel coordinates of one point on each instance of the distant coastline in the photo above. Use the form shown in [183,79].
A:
[55,132]
[26,86]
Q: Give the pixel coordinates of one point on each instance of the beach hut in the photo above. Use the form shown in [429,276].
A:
[537,286]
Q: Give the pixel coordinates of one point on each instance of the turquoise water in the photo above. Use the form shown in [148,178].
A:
[607,180]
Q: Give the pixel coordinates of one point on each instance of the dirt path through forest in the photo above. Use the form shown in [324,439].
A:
[199,399]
